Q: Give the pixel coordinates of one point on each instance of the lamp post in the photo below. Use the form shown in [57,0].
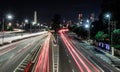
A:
[3,31]
[33,24]
[88,22]
[108,16]
[26,21]
[9,16]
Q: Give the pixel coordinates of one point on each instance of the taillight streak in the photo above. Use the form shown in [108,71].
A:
[43,60]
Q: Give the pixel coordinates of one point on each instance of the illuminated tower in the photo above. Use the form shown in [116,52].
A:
[80,16]
[80,19]
[92,17]
[35,17]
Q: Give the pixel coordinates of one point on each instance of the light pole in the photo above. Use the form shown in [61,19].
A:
[33,24]
[88,23]
[26,22]
[3,31]
[9,16]
[108,16]
[38,26]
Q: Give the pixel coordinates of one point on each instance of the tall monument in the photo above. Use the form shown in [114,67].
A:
[35,17]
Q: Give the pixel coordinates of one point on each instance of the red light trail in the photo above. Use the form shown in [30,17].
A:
[43,59]
[80,60]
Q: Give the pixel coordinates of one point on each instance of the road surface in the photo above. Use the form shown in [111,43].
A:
[12,55]
[75,58]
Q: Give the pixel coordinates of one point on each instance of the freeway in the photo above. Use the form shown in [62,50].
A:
[11,55]
[75,58]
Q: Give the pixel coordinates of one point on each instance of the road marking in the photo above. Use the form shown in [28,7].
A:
[55,57]
[7,51]
[11,56]
[73,70]
[69,61]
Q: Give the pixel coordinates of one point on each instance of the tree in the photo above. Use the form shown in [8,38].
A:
[99,36]
[116,38]
[98,26]
[79,30]
[56,22]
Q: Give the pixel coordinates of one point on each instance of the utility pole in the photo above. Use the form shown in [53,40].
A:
[3,31]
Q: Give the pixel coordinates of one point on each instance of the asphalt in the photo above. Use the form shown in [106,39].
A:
[73,58]
[99,56]
[12,55]
[106,56]
[66,62]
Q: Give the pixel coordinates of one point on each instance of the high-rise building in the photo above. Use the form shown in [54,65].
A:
[92,17]
[80,16]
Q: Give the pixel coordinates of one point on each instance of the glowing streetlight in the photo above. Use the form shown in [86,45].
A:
[9,17]
[108,16]
[33,23]
[86,26]
[26,20]
[38,24]
[87,21]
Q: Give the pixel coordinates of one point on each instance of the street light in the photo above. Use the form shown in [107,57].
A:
[108,16]
[26,20]
[87,21]
[9,17]
[88,26]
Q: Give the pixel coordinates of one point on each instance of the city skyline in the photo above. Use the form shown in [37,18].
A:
[46,9]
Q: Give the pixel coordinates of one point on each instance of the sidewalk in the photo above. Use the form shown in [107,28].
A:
[115,60]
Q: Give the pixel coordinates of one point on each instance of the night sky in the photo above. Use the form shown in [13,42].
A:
[68,9]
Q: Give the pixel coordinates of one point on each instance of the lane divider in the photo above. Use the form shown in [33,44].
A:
[55,55]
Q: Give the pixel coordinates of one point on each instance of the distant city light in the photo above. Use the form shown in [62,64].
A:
[33,23]
[87,21]
[86,26]
[41,25]
[38,24]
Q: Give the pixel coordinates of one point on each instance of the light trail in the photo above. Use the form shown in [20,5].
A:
[79,66]
[87,60]
[75,52]
[71,50]
[43,60]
